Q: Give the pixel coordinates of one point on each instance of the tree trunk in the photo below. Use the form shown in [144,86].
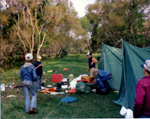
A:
[40,45]
[58,52]
[38,50]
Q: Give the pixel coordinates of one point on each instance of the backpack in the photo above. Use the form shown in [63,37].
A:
[83,87]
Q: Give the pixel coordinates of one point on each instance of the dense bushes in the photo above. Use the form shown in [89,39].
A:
[63,53]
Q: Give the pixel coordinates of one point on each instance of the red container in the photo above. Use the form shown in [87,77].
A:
[56,78]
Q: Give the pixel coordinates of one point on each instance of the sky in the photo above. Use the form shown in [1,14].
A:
[80,6]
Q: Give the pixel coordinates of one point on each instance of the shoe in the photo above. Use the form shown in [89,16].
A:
[33,111]
[28,112]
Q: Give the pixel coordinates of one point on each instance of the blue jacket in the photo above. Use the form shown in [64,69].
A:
[103,76]
[27,72]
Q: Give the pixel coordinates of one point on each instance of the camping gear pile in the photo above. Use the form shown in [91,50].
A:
[81,84]
[61,85]
[83,87]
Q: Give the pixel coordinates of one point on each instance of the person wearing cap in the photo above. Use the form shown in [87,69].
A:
[39,71]
[141,107]
[91,61]
[28,75]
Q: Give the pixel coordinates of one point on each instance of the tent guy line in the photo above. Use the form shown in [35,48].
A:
[109,52]
[55,107]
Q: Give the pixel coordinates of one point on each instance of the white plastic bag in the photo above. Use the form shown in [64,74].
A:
[2,87]
[129,114]
[123,111]
[74,81]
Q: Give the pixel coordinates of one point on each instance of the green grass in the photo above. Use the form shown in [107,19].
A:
[90,105]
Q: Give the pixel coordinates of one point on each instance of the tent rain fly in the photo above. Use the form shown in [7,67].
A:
[124,64]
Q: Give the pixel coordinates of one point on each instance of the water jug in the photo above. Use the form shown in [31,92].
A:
[71,77]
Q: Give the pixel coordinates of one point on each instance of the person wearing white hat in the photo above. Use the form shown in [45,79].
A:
[39,71]
[28,75]
[141,107]
[91,61]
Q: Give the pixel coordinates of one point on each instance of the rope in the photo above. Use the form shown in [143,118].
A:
[109,52]
[55,108]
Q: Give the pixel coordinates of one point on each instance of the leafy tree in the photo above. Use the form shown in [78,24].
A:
[28,24]
[112,20]
[8,46]
[38,26]
[85,22]
[64,29]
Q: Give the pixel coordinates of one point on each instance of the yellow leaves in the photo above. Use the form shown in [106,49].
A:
[147,23]
[94,7]
[4,19]
[116,20]
[53,14]
[120,3]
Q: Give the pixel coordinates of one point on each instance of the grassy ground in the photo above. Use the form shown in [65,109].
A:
[90,105]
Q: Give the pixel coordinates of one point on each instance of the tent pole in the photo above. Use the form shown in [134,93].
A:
[124,72]
[103,56]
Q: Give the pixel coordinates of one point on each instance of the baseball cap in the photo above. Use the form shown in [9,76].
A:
[147,65]
[89,53]
[28,56]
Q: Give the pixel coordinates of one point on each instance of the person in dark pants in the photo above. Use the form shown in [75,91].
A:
[141,107]
[91,61]
[28,75]
[39,71]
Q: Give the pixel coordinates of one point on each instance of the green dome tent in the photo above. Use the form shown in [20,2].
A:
[124,64]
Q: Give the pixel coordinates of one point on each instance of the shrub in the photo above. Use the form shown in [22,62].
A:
[63,53]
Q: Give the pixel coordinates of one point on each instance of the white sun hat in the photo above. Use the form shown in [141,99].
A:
[28,56]
[147,65]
